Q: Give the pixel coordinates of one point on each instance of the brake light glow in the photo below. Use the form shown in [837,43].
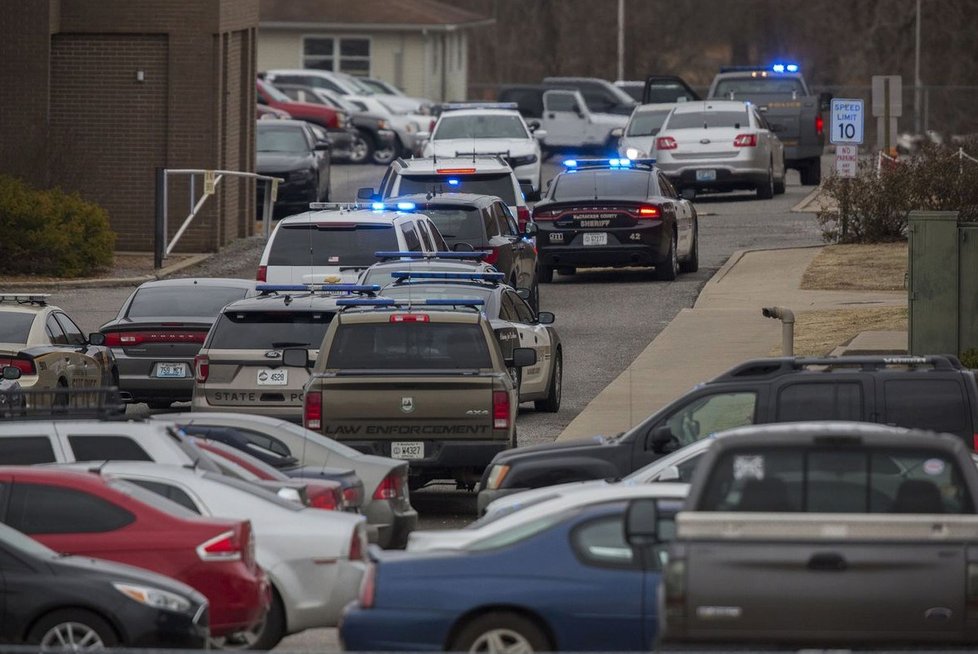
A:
[390,488]
[368,587]
[312,412]
[223,547]
[262,275]
[522,217]
[819,124]
[649,212]
[358,548]
[666,143]
[124,339]
[410,317]
[202,368]
[25,366]
[327,500]
[455,171]
[350,497]
[745,141]
[492,256]
[500,409]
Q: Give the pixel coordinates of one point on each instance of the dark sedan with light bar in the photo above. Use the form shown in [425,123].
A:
[160,329]
[618,213]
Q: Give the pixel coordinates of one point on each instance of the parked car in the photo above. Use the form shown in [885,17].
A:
[381,272]
[601,96]
[85,514]
[336,122]
[77,603]
[289,150]
[160,328]
[638,138]
[343,84]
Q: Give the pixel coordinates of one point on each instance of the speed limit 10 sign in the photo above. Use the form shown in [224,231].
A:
[847,121]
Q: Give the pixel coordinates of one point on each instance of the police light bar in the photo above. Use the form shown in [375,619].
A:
[775,68]
[366,302]
[425,274]
[25,298]
[621,162]
[455,106]
[454,302]
[785,68]
[400,206]
[333,206]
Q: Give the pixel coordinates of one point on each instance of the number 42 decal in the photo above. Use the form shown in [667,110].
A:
[635,237]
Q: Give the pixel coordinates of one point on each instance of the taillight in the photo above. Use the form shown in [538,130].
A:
[547,214]
[25,366]
[328,500]
[745,141]
[262,275]
[351,498]
[128,339]
[368,587]
[409,317]
[202,368]
[390,488]
[224,547]
[500,409]
[974,442]
[819,124]
[358,544]
[312,412]
[666,143]
[492,256]
[649,212]
[522,218]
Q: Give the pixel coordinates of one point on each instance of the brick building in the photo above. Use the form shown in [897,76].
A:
[99,93]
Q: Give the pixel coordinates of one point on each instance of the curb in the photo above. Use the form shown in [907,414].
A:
[737,255]
[110,282]
[802,205]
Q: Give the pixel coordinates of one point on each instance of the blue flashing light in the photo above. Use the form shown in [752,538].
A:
[453,182]
[450,302]
[778,68]
[377,206]
[619,163]
[570,163]
[424,274]
[406,206]
[792,68]
[785,68]
[366,302]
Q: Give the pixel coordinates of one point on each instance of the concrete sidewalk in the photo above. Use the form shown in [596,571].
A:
[724,327]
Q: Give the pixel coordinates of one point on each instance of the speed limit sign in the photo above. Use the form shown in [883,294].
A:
[847,121]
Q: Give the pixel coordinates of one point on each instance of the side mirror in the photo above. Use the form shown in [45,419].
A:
[531,229]
[642,522]
[540,134]
[524,357]
[663,441]
[295,358]
[463,247]
[422,136]
[669,474]
[366,193]
[534,125]
[618,132]
[546,318]
[96,338]
[523,293]
[322,146]
[11,372]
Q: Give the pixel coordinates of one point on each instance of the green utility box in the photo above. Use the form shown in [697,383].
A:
[943,283]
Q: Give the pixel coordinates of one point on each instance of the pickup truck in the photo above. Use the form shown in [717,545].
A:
[825,534]
[794,113]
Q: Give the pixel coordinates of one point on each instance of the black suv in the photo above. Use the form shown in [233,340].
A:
[935,393]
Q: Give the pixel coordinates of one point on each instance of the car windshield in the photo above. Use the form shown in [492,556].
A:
[409,346]
[480,126]
[743,88]
[269,330]
[707,119]
[15,326]
[439,291]
[350,246]
[382,274]
[612,184]
[646,123]
[499,184]
[459,224]
[273,92]
[175,302]
[274,138]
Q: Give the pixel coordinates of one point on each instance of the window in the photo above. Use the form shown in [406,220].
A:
[744,87]
[524,313]
[429,246]
[588,184]
[269,330]
[73,333]
[411,239]
[458,224]
[490,223]
[507,308]
[346,55]
[646,123]
[480,126]
[104,448]
[557,101]
[54,331]
[936,404]
[667,188]
[602,542]
[15,326]
[174,501]
[38,509]
[439,242]
[327,245]
[507,217]
[167,491]
[282,139]
[409,345]
[26,450]
[197,300]
[701,119]
[498,184]
[820,401]
[712,413]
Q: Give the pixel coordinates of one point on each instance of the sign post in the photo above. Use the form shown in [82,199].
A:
[846,133]
[887,107]
[209,182]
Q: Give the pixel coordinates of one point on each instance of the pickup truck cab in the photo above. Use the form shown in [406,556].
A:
[826,533]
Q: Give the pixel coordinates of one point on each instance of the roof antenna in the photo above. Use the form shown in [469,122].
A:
[98,469]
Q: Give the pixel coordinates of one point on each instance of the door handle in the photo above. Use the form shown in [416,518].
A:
[827,562]
[551,115]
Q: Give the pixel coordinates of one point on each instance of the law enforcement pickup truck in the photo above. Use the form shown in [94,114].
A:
[794,113]
[418,380]
[827,534]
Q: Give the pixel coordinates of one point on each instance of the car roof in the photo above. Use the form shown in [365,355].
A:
[448,265]
[25,308]
[429,165]
[700,106]
[481,111]
[233,282]
[435,314]
[286,302]
[656,106]
[366,216]
[422,201]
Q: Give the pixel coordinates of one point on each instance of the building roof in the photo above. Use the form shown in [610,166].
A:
[368,14]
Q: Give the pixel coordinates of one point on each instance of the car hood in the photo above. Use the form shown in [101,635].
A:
[567,448]
[431,540]
[612,120]
[281,161]
[449,147]
[100,568]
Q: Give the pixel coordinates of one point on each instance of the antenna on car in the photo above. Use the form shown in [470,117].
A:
[98,469]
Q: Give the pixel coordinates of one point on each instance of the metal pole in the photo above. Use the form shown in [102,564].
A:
[266,210]
[189,219]
[158,232]
[621,39]
[916,76]
[886,116]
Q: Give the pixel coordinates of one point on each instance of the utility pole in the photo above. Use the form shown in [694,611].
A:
[916,76]
[621,38]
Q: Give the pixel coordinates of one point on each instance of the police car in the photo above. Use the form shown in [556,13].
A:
[390,262]
[615,212]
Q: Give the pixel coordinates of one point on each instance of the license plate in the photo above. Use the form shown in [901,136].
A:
[273,377]
[706,175]
[601,238]
[172,370]
[407,450]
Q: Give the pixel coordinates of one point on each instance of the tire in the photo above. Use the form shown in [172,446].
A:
[385,156]
[811,172]
[545,275]
[765,191]
[535,296]
[668,270]
[497,632]
[362,149]
[86,630]
[779,185]
[263,636]
[692,263]
[552,402]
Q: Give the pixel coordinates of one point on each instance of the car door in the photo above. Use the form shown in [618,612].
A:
[505,245]
[90,358]
[524,256]
[564,118]
[533,379]
[684,214]
[59,361]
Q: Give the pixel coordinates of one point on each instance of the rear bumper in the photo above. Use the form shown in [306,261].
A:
[438,454]
[241,604]
[135,377]
[726,179]
[377,630]
[486,497]
[388,524]
[604,255]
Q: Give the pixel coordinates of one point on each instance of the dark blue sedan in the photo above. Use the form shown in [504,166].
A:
[565,579]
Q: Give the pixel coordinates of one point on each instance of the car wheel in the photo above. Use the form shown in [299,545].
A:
[384,156]
[552,403]
[668,270]
[499,633]
[73,630]
[545,274]
[361,149]
[692,263]
[766,190]
[263,636]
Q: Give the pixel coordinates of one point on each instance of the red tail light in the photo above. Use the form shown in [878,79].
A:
[522,217]
[224,547]
[125,339]
[649,212]
[202,368]
[368,587]
[409,317]
[819,124]
[431,125]
[666,143]
[492,257]
[974,442]
[262,275]
[312,413]
[358,544]
[351,497]
[547,215]
[745,141]
[500,409]
[391,488]
[325,500]
[25,366]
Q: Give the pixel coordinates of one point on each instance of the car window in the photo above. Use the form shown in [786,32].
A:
[436,237]
[707,119]
[275,138]
[511,227]
[556,101]
[744,88]
[197,301]
[480,126]
[331,245]
[269,330]
[498,184]
[40,509]
[712,413]
[646,123]
[458,224]
[104,448]
[71,330]
[820,401]
[411,239]
[54,331]
[409,345]
[15,326]
[523,311]
[26,450]
[602,542]
[588,184]
[936,404]
[666,187]
[167,491]
[436,291]
[173,501]
[265,442]
[490,222]
[507,308]
[836,481]
[426,241]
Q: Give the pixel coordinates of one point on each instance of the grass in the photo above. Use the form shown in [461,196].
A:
[817,333]
[871,267]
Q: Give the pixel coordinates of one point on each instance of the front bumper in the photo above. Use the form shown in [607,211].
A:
[161,629]
[400,630]
[486,497]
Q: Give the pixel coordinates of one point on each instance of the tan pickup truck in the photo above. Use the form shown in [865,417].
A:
[422,381]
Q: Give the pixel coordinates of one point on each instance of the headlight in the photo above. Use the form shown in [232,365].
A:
[383,124]
[522,161]
[634,153]
[497,475]
[159,599]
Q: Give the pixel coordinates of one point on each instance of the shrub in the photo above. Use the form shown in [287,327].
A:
[51,232]
[874,206]
[969,358]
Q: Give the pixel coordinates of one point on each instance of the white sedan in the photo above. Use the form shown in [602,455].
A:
[314,559]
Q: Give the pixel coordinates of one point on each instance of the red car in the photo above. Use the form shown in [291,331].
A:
[314,113]
[89,515]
